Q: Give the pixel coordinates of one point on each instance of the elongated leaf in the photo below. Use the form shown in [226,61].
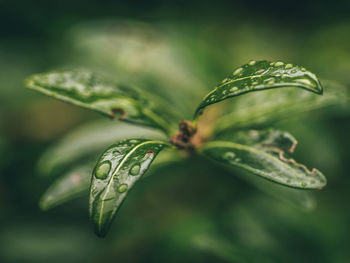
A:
[67,187]
[116,172]
[263,153]
[263,108]
[88,140]
[76,182]
[89,90]
[296,198]
[261,75]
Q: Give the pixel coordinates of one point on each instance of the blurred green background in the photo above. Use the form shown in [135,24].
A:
[191,211]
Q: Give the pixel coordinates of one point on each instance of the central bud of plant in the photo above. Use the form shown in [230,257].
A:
[184,137]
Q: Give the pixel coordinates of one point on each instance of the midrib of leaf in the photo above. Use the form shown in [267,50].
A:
[224,144]
[275,85]
[116,171]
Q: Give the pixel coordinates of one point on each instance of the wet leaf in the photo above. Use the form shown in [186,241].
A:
[76,182]
[116,172]
[261,75]
[263,153]
[88,140]
[263,108]
[89,90]
[67,187]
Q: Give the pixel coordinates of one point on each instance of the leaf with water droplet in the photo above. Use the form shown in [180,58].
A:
[89,139]
[98,93]
[261,109]
[263,153]
[68,186]
[261,75]
[128,160]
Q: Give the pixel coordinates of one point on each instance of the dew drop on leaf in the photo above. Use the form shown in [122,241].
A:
[278,64]
[229,155]
[252,62]
[269,81]
[135,169]
[122,188]
[288,66]
[233,89]
[102,170]
[305,81]
[237,71]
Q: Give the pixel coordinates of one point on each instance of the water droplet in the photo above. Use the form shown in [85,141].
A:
[303,69]
[269,81]
[122,188]
[229,155]
[288,66]
[233,89]
[135,169]
[237,71]
[225,80]
[303,184]
[304,81]
[272,63]
[102,170]
[252,62]
[278,64]
[116,152]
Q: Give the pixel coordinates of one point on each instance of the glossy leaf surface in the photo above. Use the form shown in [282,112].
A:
[260,109]
[116,172]
[67,187]
[76,182]
[261,75]
[88,140]
[263,153]
[89,90]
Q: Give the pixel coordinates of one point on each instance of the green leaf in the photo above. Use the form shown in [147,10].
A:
[88,140]
[116,172]
[89,90]
[264,108]
[67,187]
[263,153]
[298,199]
[76,182]
[261,75]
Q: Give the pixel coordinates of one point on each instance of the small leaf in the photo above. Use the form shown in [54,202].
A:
[67,187]
[261,75]
[88,90]
[264,108]
[116,172]
[263,153]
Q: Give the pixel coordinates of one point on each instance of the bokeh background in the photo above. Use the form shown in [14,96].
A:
[191,211]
